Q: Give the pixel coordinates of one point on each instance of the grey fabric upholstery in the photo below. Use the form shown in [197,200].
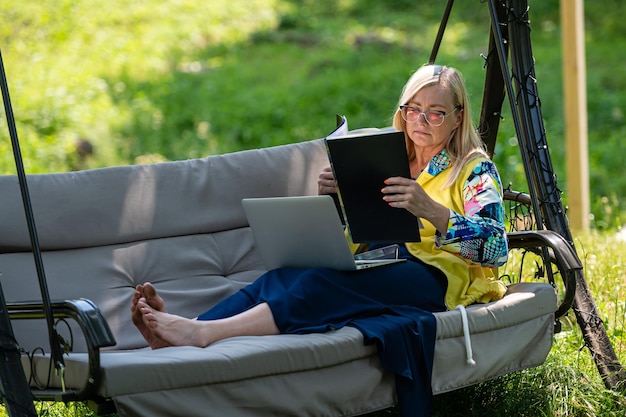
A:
[180,225]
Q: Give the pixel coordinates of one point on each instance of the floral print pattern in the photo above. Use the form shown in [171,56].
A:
[479,234]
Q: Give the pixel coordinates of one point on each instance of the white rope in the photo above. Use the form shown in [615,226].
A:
[466,335]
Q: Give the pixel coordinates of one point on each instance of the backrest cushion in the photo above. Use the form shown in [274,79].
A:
[179,225]
[130,203]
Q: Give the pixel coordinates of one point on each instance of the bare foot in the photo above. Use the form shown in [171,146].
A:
[171,330]
[148,294]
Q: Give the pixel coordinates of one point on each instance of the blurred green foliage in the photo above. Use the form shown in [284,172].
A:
[112,83]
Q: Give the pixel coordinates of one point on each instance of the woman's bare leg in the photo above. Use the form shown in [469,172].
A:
[171,330]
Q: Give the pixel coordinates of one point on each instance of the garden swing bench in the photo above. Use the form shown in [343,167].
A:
[103,231]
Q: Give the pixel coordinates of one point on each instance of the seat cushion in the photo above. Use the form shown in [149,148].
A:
[509,334]
[506,335]
[523,302]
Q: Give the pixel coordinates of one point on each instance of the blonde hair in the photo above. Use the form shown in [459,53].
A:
[465,144]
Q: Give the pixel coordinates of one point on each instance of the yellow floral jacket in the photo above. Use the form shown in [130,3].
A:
[475,243]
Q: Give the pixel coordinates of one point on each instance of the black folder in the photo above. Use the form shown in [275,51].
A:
[360,163]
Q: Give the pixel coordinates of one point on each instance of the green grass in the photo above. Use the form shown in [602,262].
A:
[174,79]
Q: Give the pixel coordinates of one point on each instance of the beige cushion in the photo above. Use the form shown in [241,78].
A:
[180,225]
[133,203]
[139,376]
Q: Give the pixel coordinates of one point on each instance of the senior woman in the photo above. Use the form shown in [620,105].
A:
[455,189]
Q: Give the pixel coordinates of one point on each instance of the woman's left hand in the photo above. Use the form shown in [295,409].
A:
[326,182]
[406,193]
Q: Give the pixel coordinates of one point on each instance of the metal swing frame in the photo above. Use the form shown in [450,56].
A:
[510,37]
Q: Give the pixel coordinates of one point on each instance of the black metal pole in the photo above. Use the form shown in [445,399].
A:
[504,68]
[55,347]
[442,29]
[494,91]
[15,390]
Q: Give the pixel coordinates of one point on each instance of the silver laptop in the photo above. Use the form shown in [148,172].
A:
[302,232]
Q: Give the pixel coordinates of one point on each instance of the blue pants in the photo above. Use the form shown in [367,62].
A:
[316,300]
[391,305]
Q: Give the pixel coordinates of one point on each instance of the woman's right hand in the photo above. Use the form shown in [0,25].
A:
[326,182]
[408,194]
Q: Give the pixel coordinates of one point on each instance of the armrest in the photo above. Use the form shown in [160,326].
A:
[93,325]
[561,253]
